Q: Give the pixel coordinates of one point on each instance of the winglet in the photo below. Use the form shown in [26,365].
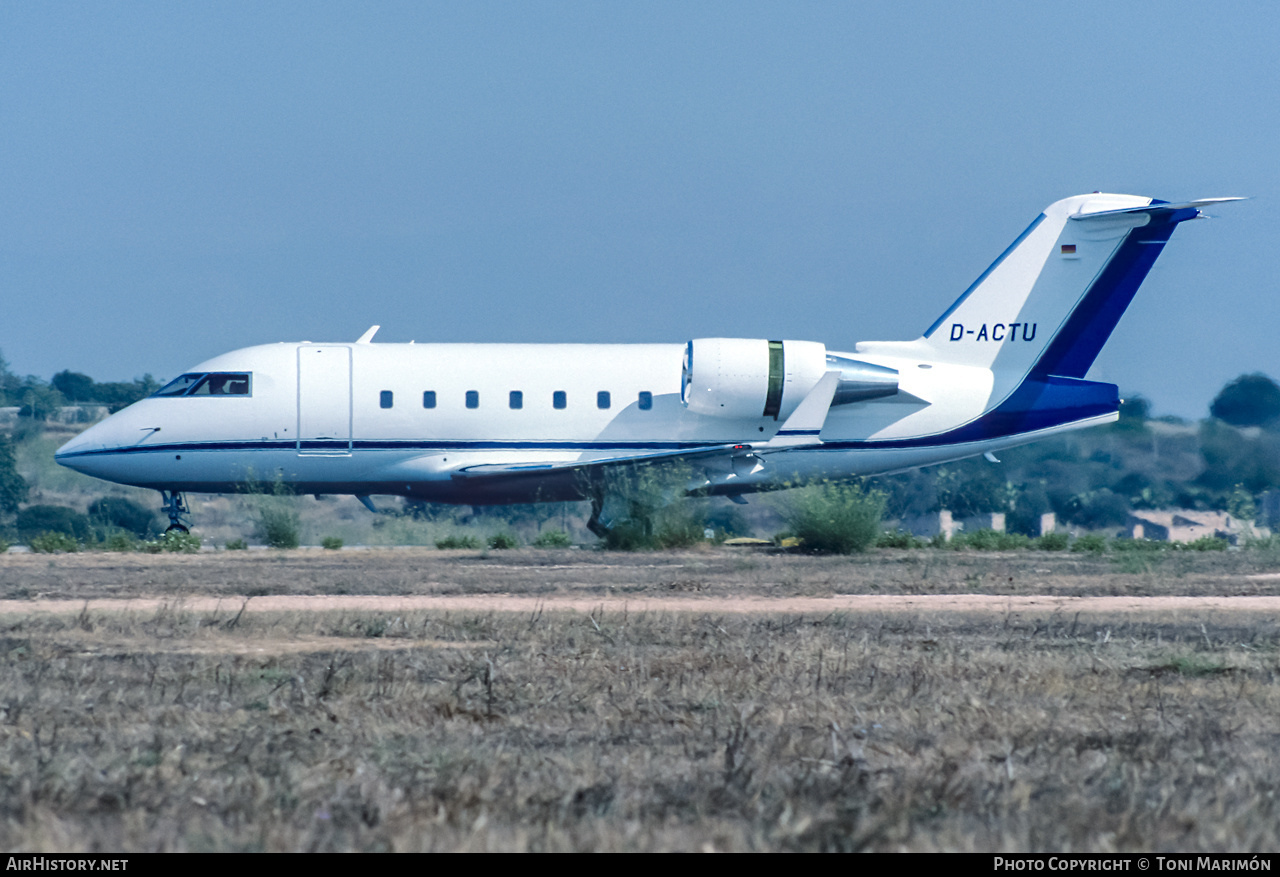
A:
[367,337]
[805,423]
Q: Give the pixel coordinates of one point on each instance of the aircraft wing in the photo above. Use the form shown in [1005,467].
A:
[587,468]
[801,428]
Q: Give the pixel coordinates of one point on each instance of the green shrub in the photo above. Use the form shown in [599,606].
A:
[1263,543]
[333,543]
[727,521]
[1014,542]
[1053,542]
[834,517]
[118,512]
[899,539]
[681,524]
[630,535]
[552,539]
[275,513]
[4,546]
[52,543]
[278,523]
[646,508]
[1138,545]
[1206,543]
[175,541]
[235,545]
[990,540]
[503,541]
[121,540]
[677,524]
[36,520]
[449,542]
[1091,543]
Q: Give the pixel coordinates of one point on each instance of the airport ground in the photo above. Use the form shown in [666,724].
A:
[412,699]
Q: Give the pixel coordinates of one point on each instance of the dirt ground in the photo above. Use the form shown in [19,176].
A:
[411,699]
[1191,607]
[723,582]
[734,577]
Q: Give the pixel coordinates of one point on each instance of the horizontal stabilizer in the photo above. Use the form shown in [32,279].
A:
[1154,208]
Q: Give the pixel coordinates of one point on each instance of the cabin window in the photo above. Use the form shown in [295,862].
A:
[517,399]
[559,399]
[646,400]
[385,399]
[602,399]
[213,384]
[473,398]
[428,398]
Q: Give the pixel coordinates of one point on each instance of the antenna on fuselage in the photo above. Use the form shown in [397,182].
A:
[367,337]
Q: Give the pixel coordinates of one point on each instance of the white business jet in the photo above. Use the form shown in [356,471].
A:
[518,423]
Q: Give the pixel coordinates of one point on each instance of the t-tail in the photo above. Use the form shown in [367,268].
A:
[1039,316]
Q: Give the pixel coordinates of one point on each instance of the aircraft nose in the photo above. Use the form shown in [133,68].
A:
[72,453]
[82,442]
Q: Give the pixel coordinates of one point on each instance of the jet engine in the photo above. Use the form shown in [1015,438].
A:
[752,378]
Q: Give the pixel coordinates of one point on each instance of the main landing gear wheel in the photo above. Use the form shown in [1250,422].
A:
[176,528]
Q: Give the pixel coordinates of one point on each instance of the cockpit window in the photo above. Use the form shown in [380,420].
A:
[212,384]
[178,386]
[222,384]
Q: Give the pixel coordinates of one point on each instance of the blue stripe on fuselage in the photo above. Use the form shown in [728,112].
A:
[1038,403]
[398,445]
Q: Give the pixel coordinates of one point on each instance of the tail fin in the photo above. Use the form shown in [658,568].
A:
[1051,300]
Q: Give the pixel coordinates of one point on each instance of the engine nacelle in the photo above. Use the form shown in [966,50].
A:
[749,378]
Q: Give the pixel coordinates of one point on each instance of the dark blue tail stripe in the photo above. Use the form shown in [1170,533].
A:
[1078,343]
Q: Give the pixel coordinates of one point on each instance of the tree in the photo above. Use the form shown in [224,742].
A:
[972,487]
[1135,411]
[1232,459]
[1249,400]
[74,386]
[9,383]
[39,400]
[13,487]
[118,395]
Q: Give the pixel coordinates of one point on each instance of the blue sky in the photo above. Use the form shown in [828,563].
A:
[178,180]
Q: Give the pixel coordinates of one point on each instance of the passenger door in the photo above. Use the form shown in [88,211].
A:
[324,399]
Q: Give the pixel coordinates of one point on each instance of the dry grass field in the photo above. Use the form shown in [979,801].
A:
[711,722]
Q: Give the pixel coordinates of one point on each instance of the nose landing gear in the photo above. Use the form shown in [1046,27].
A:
[175,505]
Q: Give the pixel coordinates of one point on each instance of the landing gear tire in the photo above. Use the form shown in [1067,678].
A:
[175,506]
